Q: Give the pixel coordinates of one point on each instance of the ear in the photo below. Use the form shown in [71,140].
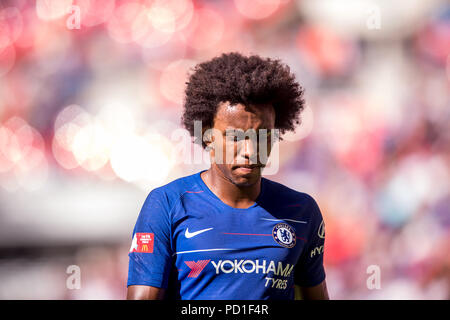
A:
[208,147]
[208,139]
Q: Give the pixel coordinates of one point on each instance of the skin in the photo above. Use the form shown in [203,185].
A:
[232,183]
[145,293]
[319,292]
[229,180]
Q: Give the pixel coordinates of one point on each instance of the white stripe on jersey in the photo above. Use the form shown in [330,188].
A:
[298,221]
[202,250]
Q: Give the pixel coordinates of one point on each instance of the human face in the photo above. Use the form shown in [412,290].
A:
[238,140]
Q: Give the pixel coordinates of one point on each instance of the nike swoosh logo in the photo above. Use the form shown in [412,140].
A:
[188,234]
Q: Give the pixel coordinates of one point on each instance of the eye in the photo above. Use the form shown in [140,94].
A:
[232,138]
[263,136]
[239,138]
[235,136]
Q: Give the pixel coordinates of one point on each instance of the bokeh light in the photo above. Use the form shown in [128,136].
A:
[91,145]
[52,9]
[153,27]
[325,51]
[141,158]
[7,59]
[173,79]
[205,30]
[11,24]
[90,123]
[67,124]
[257,9]
[95,12]
[121,25]
[22,156]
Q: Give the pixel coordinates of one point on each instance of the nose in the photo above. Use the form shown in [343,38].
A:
[250,151]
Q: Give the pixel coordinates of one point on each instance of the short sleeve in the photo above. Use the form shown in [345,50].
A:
[309,270]
[150,256]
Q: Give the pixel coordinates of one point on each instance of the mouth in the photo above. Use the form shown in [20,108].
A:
[245,169]
[247,166]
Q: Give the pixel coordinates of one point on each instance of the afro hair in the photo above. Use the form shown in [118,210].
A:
[236,78]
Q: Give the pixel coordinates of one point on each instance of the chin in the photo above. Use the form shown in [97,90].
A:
[246,181]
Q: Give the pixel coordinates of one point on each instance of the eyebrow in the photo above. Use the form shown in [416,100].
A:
[224,133]
[240,129]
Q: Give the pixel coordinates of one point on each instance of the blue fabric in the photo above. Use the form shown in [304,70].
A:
[210,250]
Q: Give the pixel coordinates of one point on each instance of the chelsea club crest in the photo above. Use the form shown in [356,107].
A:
[284,235]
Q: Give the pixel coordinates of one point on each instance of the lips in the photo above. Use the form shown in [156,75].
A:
[246,169]
[246,166]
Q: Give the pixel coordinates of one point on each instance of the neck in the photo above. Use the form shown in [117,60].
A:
[235,196]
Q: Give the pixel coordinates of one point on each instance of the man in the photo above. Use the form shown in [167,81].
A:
[226,232]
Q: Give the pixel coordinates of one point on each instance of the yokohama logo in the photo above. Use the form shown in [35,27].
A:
[241,266]
[196,267]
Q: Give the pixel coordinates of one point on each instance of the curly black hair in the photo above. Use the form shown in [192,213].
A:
[239,79]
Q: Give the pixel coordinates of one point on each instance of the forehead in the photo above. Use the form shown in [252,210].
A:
[239,116]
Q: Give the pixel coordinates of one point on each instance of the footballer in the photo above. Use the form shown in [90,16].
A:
[228,233]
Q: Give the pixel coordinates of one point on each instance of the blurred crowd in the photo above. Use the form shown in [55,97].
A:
[91,95]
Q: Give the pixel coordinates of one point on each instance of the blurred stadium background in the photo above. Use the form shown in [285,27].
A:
[88,108]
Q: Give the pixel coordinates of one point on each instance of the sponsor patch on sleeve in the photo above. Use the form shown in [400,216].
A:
[142,242]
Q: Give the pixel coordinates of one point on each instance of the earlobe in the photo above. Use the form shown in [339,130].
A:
[208,142]
[208,147]
[208,139]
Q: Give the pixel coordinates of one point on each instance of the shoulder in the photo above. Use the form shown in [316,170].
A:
[286,194]
[170,193]
[286,197]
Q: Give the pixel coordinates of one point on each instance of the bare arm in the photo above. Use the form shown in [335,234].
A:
[145,293]
[319,292]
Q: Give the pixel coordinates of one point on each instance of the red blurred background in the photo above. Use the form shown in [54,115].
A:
[91,96]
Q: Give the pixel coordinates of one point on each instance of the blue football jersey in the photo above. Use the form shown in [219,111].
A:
[190,242]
